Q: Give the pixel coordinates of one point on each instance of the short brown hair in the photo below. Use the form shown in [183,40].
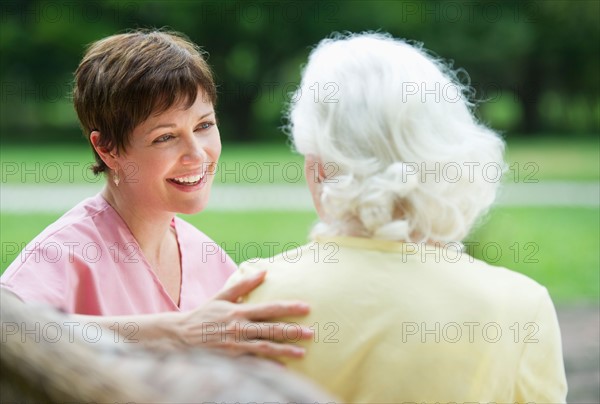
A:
[125,78]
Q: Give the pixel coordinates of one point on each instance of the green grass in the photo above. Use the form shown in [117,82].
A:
[575,159]
[568,159]
[558,247]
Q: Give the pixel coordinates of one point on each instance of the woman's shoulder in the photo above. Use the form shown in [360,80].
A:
[77,224]
[292,253]
[72,243]
[85,231]
[500,279]
[457,275]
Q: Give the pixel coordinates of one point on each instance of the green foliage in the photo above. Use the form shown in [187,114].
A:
[540,54]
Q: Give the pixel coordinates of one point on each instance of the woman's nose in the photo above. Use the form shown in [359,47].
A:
[193,153]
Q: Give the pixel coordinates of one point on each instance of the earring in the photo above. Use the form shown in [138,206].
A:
[116,178]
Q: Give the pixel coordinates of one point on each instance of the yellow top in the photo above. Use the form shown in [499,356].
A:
[401,322]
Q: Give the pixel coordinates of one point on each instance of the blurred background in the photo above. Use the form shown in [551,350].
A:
[534,67]
[535,62]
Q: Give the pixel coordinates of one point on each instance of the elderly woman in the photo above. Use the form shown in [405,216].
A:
[396,165]
[146,101]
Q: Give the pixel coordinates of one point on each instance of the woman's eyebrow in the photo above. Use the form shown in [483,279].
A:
[172,125]
[161,126]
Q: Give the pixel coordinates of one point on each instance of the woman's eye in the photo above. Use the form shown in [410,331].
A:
[205,125]
[163,138]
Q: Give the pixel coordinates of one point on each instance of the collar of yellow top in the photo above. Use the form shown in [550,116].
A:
[385,245]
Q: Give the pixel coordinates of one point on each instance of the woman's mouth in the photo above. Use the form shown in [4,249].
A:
[187,181]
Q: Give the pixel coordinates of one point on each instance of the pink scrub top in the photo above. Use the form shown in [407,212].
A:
[88,262]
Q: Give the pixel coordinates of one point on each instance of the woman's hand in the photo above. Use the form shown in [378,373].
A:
[244,328]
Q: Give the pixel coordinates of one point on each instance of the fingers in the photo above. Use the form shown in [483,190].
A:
[266,339]
[242,287]
[273,310]
[247,331]
[290,332]
[269,349]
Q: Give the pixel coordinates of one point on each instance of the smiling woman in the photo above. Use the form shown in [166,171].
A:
[145,100]
[174,166]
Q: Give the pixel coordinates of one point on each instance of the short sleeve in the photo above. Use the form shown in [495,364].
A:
[541,375]
[39,274]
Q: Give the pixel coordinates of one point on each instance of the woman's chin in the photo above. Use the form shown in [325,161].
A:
[192,208]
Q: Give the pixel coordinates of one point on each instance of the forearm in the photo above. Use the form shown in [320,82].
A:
[158,331]
[220,323]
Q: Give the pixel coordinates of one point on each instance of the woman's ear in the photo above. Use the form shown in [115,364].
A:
[315,175]
[313,169]
[108,156]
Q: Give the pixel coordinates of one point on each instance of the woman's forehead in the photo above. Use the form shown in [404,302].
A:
[202,107]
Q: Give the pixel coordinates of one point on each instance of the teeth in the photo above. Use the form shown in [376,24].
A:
[189,180]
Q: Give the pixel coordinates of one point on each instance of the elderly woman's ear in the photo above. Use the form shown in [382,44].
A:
[315,175]
[313,169]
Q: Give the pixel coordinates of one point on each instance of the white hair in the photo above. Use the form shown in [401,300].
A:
[405,159]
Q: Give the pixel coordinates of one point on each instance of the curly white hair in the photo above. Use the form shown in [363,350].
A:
[408,160]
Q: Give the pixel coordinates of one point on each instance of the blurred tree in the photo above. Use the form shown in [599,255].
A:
[535,63]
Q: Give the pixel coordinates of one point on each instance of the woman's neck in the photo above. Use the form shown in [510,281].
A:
[151,229]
